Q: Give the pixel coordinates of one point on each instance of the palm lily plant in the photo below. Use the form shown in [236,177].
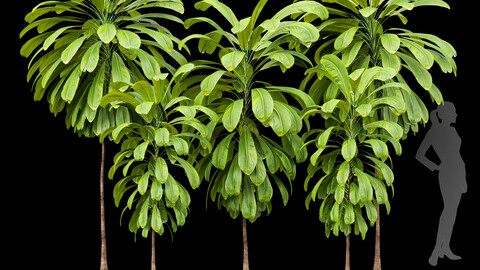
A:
[258,135]
[152,152]
[85,48]
[357,33]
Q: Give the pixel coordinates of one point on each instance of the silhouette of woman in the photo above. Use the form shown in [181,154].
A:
[446,143]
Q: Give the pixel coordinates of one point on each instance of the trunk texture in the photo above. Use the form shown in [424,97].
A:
[347,253]
[154,266]
[377,264]
[245,245]
[103,260]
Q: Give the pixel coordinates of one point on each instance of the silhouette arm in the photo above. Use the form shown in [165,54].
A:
[422,150]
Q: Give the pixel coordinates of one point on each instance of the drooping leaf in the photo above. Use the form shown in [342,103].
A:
[262,104]
[232,115]
[247,154]
[106,32]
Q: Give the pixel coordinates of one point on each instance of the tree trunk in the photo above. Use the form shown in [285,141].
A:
[103,260]
[245,245]
[377,264]
[347,253]
[154,266]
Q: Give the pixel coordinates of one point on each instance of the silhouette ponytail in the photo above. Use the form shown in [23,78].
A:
[434,117]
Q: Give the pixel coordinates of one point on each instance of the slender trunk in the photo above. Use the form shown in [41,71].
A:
[103,261]
[245,245]
[154,266]
[347,253]
[377,264]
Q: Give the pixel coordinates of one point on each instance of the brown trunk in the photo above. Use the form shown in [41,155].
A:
[154,266]
[103,260]
[347,253]
[377,264]
[245,245]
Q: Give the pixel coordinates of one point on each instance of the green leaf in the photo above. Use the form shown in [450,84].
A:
[349,149]
[390,42]
[162,136]
[149,65]
[161,170]
[385,170]
[232,115]
[344,39]
[172,191]
[192,175]
[265,191]
[364,187]
[139,153]
[144,107]
[233,181]
[260,173]
[120,71]
[223,9]
[367,11]
[128,39]
[91,57]
[280,120]
[343,173]
[262,104]
[323,138]
[95,93]
[51,69]
[72,49]
[143,183]
[209,83]
[364,109]
[157,223]
[349,217]
[394,129]
[379,148]
[338,74]
[247,154]
[249,203]
[241,25]
[350,54]
[180,145]
[106,32]
[286,59]
[143,215]
[71,85]
[422,76]
[220,154]
[231,60]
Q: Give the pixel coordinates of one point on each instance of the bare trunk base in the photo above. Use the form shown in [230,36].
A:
[103,260]
[245,245]
[377,264]
[347,252]
[154,266]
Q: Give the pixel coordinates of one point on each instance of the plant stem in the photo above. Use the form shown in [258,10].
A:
[347,252]
[103,261]
[377,264]
[154,266]
[245,245]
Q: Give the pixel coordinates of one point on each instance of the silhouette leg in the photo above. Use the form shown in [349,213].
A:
[450,211]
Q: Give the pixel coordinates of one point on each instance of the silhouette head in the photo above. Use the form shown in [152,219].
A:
[445,114]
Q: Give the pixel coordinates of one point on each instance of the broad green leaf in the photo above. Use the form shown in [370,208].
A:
[157,223]
[71,85]
[72,49]
[106,32]
[247,154]
[265,191]
[95,93]
[149,65]
[220,154]
[283,190]
[162,136]
[128,39]
[231,60]
[390,42]
[233,181]
[120,71]
[349,217]
[379,148]
[249,202]
[360,221]
[209,83]
[371,74]
[364,109]
[91,57]
[232,115]
[161,170]
[339,194]
[163,40]
[344,39]
[371,212]
[286,59]
[53,37]
[143,183]
[338,73]
[144,107]
[384,169]
[172,192]
[223,9]
[349,149]
[323,138]
[367,11]
[143,215]
[51,69]
[241,25]
[380,190]
[262,104]
[300,7]
[280,120]
[180,145]
[350,54]
[139,153]
[335,212]
[259,175]
[392,128]
[365,190]
[343,173]
[422,76]
[423,56]
[192,175]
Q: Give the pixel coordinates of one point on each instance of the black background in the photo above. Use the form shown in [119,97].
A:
[51,196]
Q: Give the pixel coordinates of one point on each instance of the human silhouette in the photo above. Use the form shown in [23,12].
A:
[446,143]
